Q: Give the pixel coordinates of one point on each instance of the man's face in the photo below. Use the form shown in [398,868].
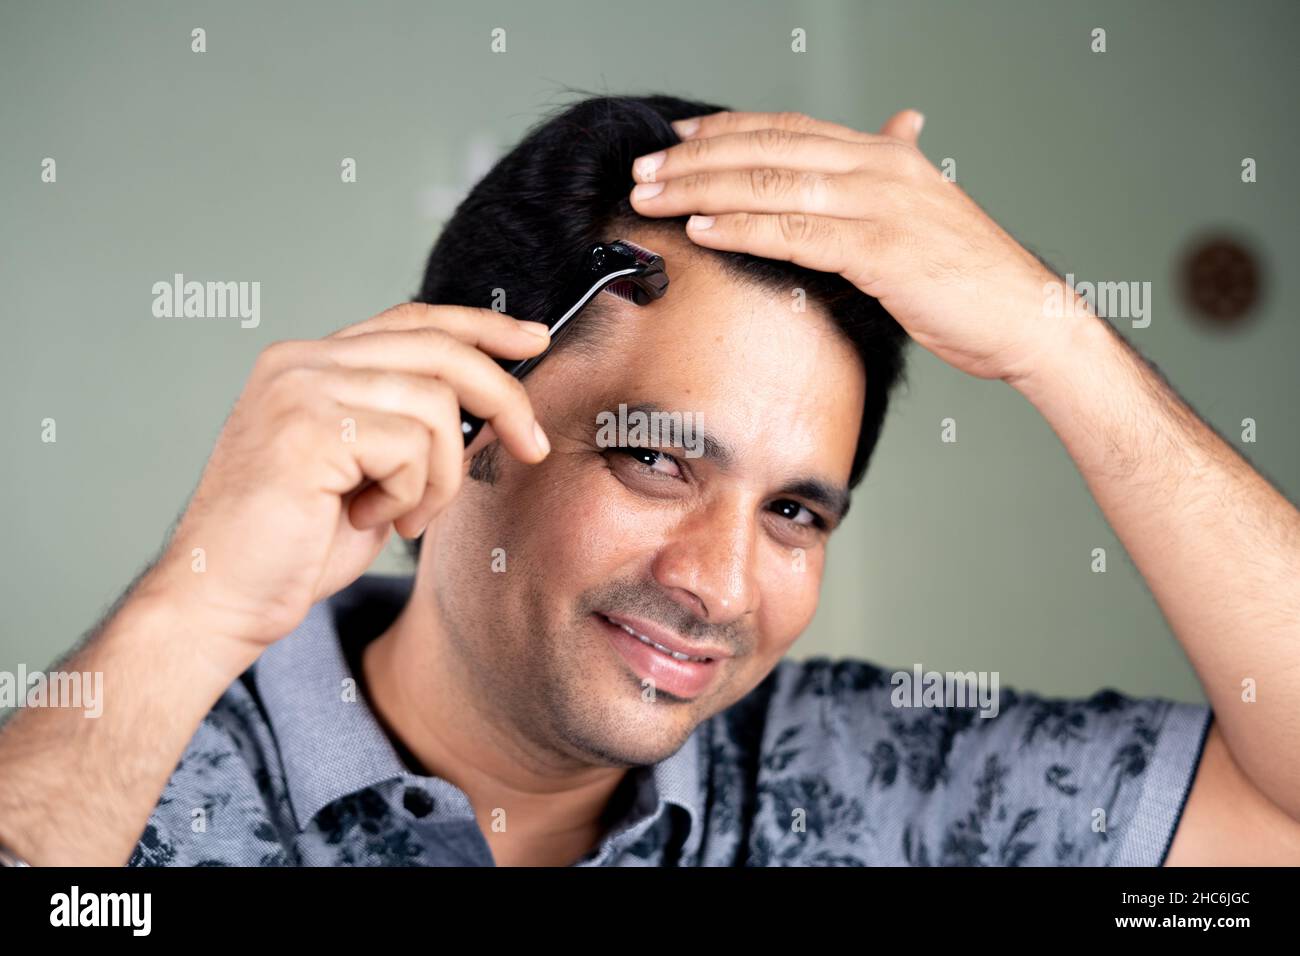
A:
[725,555]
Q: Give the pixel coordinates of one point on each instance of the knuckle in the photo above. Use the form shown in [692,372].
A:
[863,155]
[392,391]
[417,440]
[773,139]
[291,385]
[796,227]
[447,410]
[408,310]
[697,182]
[694,149]
[905,157]
[442,398]
[439,393]
[767,182]
[819,188]
[436,342]
[419,465]
[297,433]
[502,319]
[407,486]
[279,354]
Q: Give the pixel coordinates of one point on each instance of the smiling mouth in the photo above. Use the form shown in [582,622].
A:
[675,655]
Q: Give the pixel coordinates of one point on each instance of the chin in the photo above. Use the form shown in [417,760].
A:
[626,730]
[627,753]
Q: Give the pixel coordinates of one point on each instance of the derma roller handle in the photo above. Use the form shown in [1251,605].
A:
[621,268]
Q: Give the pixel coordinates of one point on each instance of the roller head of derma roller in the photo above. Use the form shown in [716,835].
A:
[621,268]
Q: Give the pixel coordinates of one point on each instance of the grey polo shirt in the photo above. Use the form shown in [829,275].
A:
[817,766]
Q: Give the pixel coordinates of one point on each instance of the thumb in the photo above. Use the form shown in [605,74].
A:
[905,125]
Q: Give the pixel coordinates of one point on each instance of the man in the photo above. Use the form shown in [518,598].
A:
[588,666]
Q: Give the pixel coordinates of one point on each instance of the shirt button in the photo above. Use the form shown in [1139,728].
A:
[417,802]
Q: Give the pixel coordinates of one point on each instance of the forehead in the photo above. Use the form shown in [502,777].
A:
[757,368]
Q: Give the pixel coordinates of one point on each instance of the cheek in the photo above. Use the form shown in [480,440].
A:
[790,586]
[572,521]
[581,524]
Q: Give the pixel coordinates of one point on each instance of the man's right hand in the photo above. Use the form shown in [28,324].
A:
[332,445]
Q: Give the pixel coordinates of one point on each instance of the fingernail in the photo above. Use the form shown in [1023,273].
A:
[685,127]
[647,190]
[645,168]
[699,222]
[918,122]
[536,328]
[541,439]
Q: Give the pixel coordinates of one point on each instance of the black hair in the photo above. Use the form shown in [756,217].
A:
[565,186]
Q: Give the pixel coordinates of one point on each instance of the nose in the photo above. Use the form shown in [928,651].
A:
[707,561]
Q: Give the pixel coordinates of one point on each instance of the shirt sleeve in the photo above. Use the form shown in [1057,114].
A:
[1100,781]
[1036,781]
[219,807]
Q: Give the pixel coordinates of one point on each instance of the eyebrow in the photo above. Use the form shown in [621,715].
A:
[832,497]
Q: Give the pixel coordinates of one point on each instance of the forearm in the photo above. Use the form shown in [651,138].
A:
[78,790]
[1219,547]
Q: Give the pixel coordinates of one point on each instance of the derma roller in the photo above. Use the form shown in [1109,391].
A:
[620,268]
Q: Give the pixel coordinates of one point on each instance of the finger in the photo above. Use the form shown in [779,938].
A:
[392,451]
[762,189]
[816,242]
[758,147]
[715,124]
[487,329]
[430,401]
[425,398]
[905,125]
[481,385]
[445,475]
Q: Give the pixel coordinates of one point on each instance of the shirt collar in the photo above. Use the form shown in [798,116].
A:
[331,744]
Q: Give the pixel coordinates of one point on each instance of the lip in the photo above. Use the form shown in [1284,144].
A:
[661,635]
[684,680]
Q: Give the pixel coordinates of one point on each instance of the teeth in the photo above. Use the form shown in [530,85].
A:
[659,647]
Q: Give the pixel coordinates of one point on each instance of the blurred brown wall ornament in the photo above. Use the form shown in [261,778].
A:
[1221,281]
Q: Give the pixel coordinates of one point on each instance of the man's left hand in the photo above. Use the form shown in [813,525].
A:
[872,208]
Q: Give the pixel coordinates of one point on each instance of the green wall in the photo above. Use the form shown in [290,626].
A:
[226,165]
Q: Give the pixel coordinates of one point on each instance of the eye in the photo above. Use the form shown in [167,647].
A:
[646,459]
[798,514]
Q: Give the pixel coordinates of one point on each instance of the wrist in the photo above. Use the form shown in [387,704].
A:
[180,636]
[1073,351]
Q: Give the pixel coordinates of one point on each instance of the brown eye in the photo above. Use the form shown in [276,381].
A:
[647,458]
[798,514]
